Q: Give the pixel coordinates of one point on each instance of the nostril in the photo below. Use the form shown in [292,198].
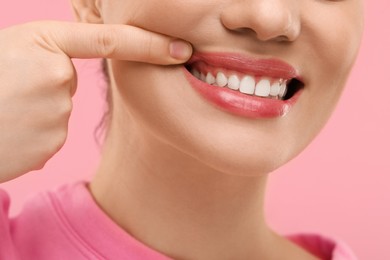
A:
[245,30]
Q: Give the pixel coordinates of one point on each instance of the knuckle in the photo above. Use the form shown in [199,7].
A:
[106,43]
[60,140]
[62,76]
[59,119]
[55,144]
[49,148]
[65,108]
[39,165]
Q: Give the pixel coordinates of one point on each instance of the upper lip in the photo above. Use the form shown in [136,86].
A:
[270,67]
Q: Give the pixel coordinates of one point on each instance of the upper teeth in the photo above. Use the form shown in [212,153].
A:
[264,87]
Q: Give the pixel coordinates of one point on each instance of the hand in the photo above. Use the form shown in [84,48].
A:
[38,79]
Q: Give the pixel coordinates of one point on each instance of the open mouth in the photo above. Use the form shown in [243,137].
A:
[243,85]
[262,86]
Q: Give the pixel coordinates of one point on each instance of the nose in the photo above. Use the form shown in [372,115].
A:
[276,20]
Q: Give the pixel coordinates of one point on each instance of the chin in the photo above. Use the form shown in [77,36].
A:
[248,158]
[238,166]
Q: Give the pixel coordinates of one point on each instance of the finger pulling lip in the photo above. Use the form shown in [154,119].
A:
[242,104]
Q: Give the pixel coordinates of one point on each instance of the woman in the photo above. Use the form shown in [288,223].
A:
[188,146]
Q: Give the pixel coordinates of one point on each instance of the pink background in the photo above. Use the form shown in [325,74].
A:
[339,186]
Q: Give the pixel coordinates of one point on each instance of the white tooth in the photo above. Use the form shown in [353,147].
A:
[221,79]
[196,73]
[234,82]
[202,77]
[283,89]
[247,85]
[275,89]
[263,88]
[210,79]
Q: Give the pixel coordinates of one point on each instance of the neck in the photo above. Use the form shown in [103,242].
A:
[161,196]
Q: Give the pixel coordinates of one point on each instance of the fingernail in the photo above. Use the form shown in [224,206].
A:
[180,50]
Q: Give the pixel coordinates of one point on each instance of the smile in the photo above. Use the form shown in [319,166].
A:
[244,86]
[247,84]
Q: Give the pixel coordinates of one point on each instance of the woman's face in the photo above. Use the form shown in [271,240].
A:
[247,44]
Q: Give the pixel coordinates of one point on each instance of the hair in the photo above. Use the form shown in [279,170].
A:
[102,127]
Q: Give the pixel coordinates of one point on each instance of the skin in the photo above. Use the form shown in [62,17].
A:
[34,110]
[176,167]
[173,166]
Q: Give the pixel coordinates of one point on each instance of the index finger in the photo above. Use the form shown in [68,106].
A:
[122,42]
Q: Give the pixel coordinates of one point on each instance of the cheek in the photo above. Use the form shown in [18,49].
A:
[176,18]
[333,36]
[141,91]
[331,42]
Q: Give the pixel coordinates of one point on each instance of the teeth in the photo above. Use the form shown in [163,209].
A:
[195,73]
[275,89]
[283,89]
[210,79]
[263,88]
[266,87]
[234,82]
[222,80]
[248,85]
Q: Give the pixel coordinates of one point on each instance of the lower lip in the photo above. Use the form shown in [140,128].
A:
[241,104]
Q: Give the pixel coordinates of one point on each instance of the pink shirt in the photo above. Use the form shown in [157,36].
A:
[68,224]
